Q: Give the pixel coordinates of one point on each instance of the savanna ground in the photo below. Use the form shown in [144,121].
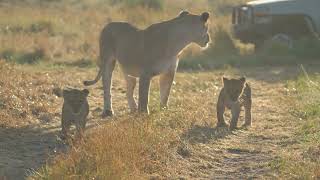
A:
[56,46]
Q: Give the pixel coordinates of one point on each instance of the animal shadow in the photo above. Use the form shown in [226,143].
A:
[204,134]
[26,149]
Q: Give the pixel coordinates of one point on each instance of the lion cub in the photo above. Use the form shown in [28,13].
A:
[234,94]
[75,109]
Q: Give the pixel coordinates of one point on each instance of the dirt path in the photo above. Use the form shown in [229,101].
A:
[208,152]
[211,153]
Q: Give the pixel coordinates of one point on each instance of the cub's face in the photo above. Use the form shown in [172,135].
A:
[197,27]
[234,87]
[75,98]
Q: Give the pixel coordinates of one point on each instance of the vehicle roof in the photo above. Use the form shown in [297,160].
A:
[269,2]
[260,2]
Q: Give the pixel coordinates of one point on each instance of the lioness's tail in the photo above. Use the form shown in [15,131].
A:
[105,53]
[92,82]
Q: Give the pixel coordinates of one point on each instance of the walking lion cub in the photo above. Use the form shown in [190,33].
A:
[75,109]
[234,94]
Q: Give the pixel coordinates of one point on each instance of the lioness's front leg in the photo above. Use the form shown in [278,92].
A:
[165,82]
[144,86]
[247,115]
[107,83]
[131,84]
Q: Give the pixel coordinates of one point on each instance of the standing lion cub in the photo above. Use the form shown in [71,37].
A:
[234,94]
[75,109]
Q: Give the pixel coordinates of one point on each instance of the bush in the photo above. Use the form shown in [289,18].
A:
[32,57]
[222,43]
[307,48]
[41,26]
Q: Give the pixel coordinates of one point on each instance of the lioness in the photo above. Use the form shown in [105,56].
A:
[146,53]
[75,109]
[234,94]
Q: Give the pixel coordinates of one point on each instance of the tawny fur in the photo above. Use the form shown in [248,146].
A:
[146,53]
[74,111]
[236,93]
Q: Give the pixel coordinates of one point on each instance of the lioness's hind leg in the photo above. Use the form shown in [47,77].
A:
[165,82]
[247,115]
[144,86]
[107,83]
[131,84]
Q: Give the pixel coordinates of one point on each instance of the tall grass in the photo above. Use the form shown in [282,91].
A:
[129,149]
[303,163]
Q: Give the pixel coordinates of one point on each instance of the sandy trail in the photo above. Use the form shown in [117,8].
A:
[243,154]
[214,153]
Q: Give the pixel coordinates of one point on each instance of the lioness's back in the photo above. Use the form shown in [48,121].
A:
[119,30]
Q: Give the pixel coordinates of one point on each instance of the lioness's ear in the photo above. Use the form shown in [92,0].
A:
[205,16]
[85,91]
[242,79]
[183,13]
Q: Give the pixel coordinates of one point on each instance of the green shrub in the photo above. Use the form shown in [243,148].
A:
[35,27]
[222,44]
[81,63]
[8,55]
[306,48]
[41,26]
[32,57]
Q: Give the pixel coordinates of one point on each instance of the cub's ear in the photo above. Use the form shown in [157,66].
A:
[183,13]
[225,80]
[242,79]
[205,16]
[57,91]
[85,91]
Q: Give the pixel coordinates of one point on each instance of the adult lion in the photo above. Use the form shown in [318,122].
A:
[146,53]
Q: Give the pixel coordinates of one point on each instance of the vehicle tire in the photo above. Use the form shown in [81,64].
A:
[282,39]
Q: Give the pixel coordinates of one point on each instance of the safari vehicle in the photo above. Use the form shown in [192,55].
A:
[277,20]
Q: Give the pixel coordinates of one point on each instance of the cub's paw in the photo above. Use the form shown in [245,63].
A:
[223,124]
[245,126]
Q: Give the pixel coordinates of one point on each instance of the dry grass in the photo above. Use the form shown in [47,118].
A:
[301,160]
[129,146]
[22,97]
[135,146]
[68,31]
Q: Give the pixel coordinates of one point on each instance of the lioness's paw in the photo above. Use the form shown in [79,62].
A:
[107,113]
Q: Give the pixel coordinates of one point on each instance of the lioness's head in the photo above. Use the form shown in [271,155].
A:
[234,87]
[75,98]
[197,27]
